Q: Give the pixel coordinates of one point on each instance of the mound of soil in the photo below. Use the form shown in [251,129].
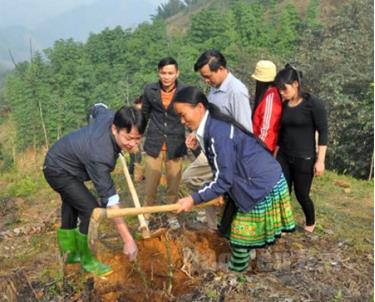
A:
[166,267]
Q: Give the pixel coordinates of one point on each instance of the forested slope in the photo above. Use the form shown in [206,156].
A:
[330,41]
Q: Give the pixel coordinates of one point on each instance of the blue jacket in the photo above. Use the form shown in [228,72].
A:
[90,153]
[241,166]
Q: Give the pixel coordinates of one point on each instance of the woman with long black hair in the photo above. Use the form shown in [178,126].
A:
[303,116]
[244,171]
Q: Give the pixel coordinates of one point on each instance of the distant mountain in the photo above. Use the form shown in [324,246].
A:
[30,14]
[79,22]
[76,23]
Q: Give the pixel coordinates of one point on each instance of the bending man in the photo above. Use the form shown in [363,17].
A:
[90,153]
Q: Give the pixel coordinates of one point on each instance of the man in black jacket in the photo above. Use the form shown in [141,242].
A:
[90,153]
[165,135]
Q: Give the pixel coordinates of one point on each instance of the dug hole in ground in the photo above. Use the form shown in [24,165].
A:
[168,266]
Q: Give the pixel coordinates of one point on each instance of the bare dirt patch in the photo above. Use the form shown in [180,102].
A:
[166,267]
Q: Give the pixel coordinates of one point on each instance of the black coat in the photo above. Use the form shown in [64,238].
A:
[89,153]
[163,125]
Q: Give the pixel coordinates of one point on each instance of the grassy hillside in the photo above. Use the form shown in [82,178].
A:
[333,264]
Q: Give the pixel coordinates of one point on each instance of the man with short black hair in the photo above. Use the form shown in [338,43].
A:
[227,92]
[90,153]
[231,96]
[165,135]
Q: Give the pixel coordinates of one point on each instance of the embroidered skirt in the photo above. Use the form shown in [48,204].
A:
[266,221]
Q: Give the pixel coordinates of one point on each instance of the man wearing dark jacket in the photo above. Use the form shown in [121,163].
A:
[165,135]
[90,153]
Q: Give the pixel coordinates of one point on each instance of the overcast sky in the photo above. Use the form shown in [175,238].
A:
[30,13]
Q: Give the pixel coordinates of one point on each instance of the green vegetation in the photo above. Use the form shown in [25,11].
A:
[23,188]
[51,95]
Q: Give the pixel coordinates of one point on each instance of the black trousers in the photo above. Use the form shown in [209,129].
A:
[299,173]
[77,201]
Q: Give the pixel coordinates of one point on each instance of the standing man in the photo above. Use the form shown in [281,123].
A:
[227,92]
[165,135]
[90,153]
[232,97]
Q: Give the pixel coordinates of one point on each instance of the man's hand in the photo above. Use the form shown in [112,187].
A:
[192,141]
[130,249]
[186,204]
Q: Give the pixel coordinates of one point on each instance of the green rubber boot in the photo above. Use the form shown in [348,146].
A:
[68,245]
[88,261]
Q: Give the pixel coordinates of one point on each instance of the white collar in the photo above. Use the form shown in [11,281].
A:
[200,131]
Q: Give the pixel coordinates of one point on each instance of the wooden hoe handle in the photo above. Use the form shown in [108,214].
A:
[111,213]
[142,221]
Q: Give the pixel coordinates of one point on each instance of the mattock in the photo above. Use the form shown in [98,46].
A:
[143,224]
[99,214]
